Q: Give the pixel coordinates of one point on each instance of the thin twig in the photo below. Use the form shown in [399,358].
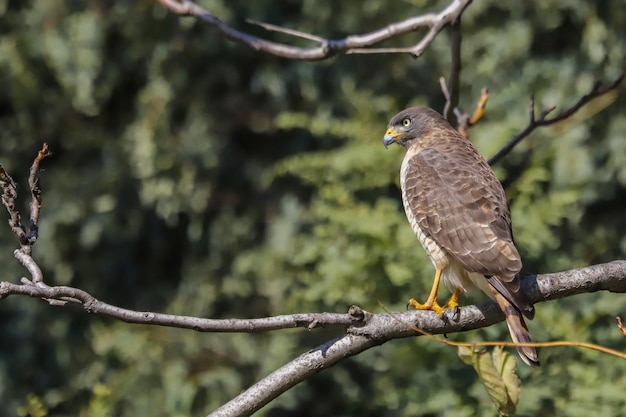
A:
[620,325]
[35,191]
[95,306]
[444,89]
[325,48]
[479,112]
[291,32]
[452,90]
[543,120]
[9,196]
[465,121]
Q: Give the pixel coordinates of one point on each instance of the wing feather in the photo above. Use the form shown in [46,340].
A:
[458,201]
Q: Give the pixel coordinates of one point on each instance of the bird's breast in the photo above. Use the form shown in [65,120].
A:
[438,255]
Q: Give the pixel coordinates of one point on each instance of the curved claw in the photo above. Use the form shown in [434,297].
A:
[457,313]
[453,303]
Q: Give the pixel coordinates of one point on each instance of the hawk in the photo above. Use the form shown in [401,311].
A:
[458,210]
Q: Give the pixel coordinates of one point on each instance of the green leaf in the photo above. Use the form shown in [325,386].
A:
[497,372]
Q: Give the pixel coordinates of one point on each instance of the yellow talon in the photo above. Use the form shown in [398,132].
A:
[432,304]
[453,302]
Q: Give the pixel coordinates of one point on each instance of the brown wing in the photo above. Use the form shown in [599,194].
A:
[457,200]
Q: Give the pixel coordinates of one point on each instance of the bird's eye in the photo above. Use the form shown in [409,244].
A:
[406,122]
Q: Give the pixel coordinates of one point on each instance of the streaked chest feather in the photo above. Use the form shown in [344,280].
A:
[453,274]
[437,254]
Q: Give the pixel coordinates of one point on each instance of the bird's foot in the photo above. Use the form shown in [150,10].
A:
[428,305]
[453,303]
[433,305]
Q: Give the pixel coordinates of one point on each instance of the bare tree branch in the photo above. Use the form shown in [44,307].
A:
[464,121]
[35,192]
[31,266]
[543,120]
[326,48]
[380,328]
[60,295]
[543,288]
[9,195]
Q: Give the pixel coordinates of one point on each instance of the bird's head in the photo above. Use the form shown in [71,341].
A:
[411,124]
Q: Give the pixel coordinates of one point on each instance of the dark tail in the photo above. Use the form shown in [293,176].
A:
[517,328]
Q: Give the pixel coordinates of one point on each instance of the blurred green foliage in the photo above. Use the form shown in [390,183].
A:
[191,175]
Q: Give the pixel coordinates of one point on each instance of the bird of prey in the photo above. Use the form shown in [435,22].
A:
[458,210]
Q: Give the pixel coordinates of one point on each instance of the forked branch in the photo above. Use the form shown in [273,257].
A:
[325,47]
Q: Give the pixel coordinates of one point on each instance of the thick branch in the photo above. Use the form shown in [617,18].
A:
[325,48]
[296,371]
[380,328]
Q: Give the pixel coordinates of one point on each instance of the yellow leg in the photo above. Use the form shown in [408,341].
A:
[431,303]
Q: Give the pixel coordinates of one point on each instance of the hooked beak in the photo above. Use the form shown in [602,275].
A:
[390,136]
